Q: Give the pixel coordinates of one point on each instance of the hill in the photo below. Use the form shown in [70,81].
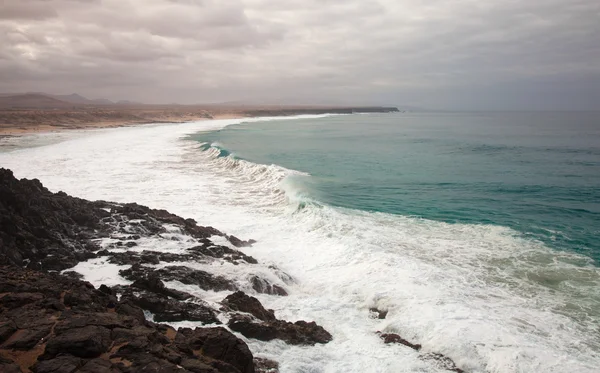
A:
[32,101]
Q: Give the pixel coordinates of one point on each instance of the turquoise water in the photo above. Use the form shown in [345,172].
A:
[537,173]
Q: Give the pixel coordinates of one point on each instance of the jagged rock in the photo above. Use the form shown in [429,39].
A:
[43,229]
[262,365]
[442,362]
[239,243]
[154,284]
[166,309]
[265,287]
[53,231]
[241,302]
[395,338]
[298,333]
[224,252]
[61,364]
[119,341]
[99,366]
[185,275]
[217,343]
[86,342]
[25,339]
[380,314]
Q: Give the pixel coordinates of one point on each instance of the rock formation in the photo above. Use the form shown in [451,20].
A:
[53,322]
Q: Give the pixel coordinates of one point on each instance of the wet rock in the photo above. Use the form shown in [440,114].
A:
[239,243]
[395,338]
[42,229]
[442,362]
[128,308]
[154,284]
[185,275]
[223,252]
[377,313]
[166,309]
[216,343]
[262,365]
[241,302]
[298,333]
[265,287]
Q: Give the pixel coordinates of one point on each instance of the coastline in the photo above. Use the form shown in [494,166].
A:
[21,121]
[17,130]
[336,285]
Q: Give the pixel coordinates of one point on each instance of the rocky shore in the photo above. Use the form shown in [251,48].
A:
[56,322]
[53,321]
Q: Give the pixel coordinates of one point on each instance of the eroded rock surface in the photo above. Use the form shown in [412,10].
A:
[42,333]
[259,323]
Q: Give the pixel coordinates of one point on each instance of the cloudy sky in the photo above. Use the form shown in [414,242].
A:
[438,54]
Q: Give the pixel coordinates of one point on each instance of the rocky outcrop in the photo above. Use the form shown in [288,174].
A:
[58,323]
[53,231]
[41,332]
[259,323]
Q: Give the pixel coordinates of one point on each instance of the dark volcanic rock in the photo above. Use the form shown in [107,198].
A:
[166,309]
[217,343]
[239,301]
[265,365]
[380,314]
[41,229]
[182,274]
[154,284]
[298,333]
[395,338]
[89,341]
[265,287]
[27,338]
[442,361]
[223,252]
[53,231]
[61,364]
[97,338]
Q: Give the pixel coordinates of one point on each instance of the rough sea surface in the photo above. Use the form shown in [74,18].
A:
[477,232]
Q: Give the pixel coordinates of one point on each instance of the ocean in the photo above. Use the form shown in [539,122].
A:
[477,232]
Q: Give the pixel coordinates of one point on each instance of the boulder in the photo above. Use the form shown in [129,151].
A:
[241,302]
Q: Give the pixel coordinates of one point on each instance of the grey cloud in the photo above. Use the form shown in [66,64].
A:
[437,54]
[27,10]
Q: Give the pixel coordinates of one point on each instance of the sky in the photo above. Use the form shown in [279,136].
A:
[436,54]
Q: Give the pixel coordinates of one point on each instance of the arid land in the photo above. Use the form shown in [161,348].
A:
[37,113]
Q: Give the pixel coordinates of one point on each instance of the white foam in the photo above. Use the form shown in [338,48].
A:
[99,271]
[489,300]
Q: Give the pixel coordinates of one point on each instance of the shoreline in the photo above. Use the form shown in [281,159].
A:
[17,122]
[16,131]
